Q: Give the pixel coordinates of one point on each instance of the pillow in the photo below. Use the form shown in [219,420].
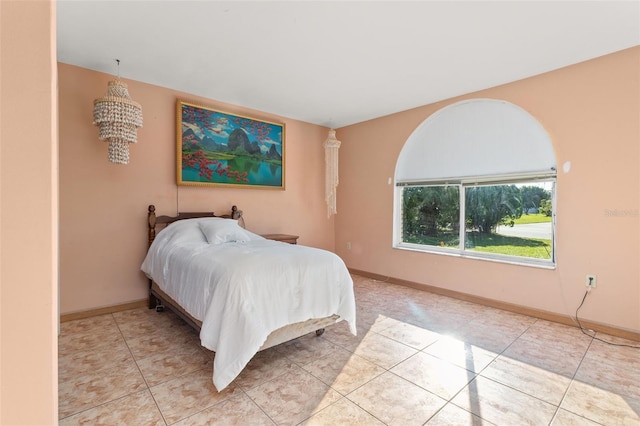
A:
[182,231]
[218,231]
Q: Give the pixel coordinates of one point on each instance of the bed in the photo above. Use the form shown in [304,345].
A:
[243,292]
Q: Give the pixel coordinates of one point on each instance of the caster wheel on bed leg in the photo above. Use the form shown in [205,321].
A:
[320,332]
[160,308]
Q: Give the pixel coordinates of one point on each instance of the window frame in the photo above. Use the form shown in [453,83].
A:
[461,251]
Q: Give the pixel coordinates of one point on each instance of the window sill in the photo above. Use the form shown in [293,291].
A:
[511,260]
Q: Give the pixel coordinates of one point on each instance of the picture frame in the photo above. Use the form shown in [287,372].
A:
[217,148]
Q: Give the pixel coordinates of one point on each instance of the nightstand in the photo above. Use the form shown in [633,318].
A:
[291,239]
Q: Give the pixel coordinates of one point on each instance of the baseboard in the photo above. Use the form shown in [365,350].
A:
[536,313]
[105,310]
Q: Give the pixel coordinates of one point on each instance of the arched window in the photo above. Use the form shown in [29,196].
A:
[477,178]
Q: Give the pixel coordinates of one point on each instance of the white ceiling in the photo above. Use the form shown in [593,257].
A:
[338,63]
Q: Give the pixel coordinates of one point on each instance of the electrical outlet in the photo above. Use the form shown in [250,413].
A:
[591,281]
[349,246]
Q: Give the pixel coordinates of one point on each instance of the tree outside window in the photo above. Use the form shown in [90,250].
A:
[505,219]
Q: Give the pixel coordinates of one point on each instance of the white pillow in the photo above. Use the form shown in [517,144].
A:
[182,231]
[218,231]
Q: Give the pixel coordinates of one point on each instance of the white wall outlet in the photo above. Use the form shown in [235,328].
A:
[590,281]
[349,245]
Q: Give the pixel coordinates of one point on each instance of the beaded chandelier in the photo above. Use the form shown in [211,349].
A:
[331,146]
[117,117]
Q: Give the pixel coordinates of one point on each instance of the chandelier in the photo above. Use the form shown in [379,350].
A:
[117,117]
[331,146]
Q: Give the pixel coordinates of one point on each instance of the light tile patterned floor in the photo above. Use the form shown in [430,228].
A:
[418,359]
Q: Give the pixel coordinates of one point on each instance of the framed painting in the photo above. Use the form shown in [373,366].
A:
[215,148]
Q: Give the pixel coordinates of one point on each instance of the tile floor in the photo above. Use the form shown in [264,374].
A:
[419,358]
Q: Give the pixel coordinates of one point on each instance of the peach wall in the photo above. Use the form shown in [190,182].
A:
[29,214]
[103,206]
[592,114]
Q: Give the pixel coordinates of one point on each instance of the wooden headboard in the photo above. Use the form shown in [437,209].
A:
[154,221]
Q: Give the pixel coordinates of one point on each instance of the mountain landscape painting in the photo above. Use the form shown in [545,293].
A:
[218,148]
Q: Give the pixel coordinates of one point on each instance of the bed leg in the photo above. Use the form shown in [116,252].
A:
[155,303]
[152,299]
[320,332]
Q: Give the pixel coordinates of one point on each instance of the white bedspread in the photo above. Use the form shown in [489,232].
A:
[242,291]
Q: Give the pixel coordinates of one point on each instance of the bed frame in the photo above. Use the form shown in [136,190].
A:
[158,299]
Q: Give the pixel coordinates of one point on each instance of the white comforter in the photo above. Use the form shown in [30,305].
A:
[245,288]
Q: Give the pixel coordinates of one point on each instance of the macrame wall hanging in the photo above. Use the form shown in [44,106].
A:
[118,117]
[331,146]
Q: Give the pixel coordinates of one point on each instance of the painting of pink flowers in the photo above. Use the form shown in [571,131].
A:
[219,148]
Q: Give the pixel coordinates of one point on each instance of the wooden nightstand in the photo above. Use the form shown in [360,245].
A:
[291,239]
